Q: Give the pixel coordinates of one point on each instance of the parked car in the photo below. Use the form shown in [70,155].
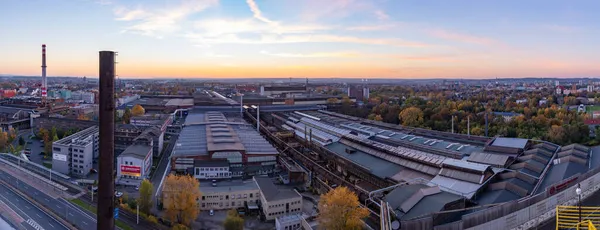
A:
[93,171]
[118,194]
[211,212]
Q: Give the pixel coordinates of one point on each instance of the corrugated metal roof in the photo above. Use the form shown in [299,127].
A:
[455,186]
[466,165]
[489,158]
[518,143]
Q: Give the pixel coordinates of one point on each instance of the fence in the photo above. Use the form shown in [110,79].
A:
[569,217]
[517,214]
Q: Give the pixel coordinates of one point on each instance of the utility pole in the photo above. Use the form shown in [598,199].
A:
[452,121]
[468,126]
[258,118]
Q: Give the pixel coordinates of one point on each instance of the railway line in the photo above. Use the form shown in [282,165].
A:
[127,217]
[316,168]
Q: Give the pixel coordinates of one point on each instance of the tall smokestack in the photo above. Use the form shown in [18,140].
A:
[44,84]
[106,187]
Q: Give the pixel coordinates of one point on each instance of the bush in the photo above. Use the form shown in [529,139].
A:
[132,204]
[152,219]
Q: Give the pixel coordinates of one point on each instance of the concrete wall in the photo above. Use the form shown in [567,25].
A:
[227,199]
[277,208]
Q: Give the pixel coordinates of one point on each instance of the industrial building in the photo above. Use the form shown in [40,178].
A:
[276,202]
[134,164]
[74,154]
[283,90]
[159,103]
[426,177]
[128,134]
[227,195]
[16,118]
[215,136]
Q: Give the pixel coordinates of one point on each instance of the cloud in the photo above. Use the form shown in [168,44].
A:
[371,27]
[313,55]
[213,55]
[104,2]
[199,38]
[161,22]
[257,13]
[381,15]
[313,10]
[130,15]
[464,38]
[562,29]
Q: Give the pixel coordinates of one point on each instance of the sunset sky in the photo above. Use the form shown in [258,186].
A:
[304,38]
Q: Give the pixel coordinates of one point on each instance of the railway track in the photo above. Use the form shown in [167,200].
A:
[127,217]
[317,169]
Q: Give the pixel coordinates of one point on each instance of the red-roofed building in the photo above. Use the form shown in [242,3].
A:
[560,89]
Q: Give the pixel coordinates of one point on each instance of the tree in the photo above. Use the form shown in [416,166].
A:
[233,221]
[332,100]
[137,110]
[53,132]
[340,210]
[83,117]
[180,197]
[67,133]
[556,134]
[21,140]
[145,199]
[127,116]
[179,227]
[378,118]
[411,116]
[3,140]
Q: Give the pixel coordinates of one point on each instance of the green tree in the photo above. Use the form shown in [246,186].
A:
[233,221]
[53,132]
[127,116]
[145,199]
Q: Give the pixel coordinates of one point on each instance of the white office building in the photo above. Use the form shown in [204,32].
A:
[211,169]
[227,195]
[275,202]
[87,97]
[74,155]
[134,164]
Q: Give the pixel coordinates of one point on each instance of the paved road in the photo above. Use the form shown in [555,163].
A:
[60,206]
[34,218]
[160,170]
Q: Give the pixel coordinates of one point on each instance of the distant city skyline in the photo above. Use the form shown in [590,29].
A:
[311,38]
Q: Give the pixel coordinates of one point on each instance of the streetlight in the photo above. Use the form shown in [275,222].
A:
[578,191]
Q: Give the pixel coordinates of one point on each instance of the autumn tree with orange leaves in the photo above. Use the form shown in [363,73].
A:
[340,210]
[180,196]
[137,110]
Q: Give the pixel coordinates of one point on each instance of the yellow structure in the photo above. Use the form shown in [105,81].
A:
[567,217]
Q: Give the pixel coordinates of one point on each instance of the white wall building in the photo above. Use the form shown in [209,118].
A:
[228,194]
[291,222]
[134,164]
[275,202]
[87,97]
[74,155]
[211,169]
